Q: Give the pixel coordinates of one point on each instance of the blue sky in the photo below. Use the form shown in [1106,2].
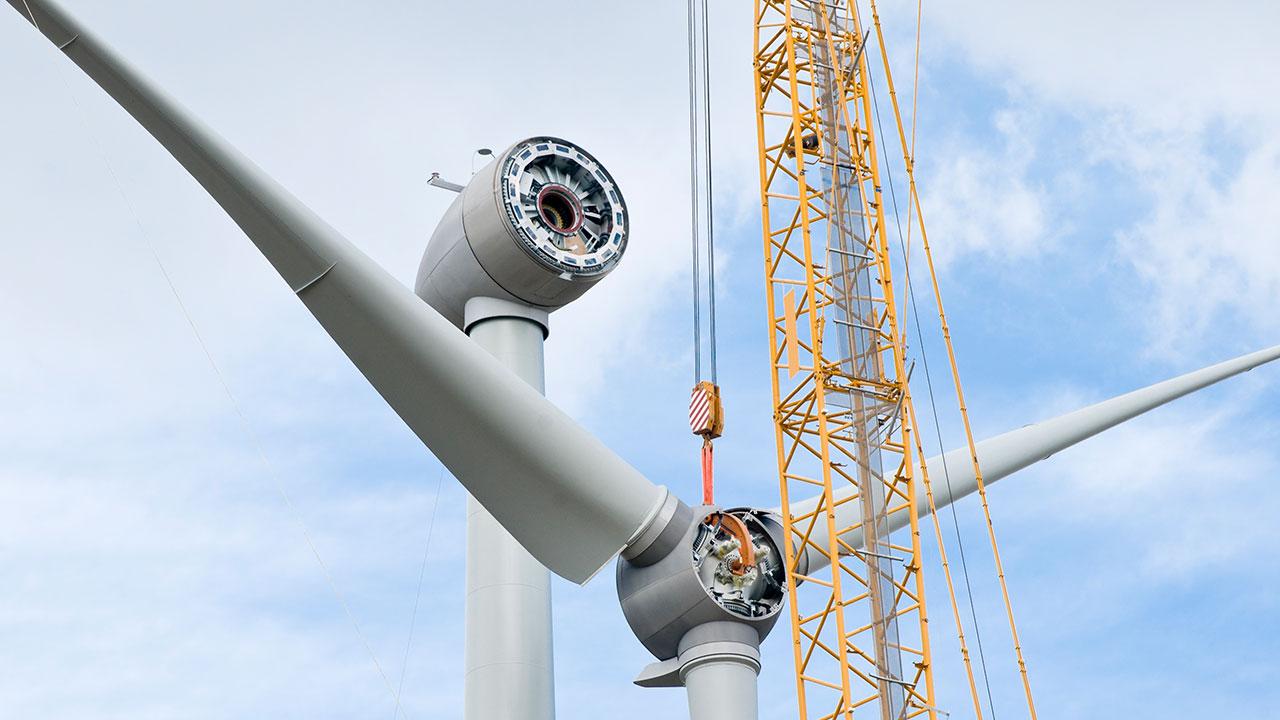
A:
[1100,186]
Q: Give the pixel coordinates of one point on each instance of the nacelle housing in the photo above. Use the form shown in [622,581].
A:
[540,224]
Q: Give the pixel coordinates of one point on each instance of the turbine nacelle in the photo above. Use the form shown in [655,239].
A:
[540,225]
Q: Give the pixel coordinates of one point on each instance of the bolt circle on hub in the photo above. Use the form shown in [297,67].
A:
[565,207]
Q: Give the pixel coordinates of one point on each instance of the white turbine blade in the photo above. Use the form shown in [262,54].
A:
[1006,454]
[566,497]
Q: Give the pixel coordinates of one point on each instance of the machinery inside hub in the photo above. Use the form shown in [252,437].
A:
[564,207]
[754,590]
[559,209]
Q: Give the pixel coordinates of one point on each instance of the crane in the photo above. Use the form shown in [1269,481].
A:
[841,403]
[844,421]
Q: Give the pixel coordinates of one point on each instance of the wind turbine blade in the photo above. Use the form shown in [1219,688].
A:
[1006,454]
[566,497]
[1003,455]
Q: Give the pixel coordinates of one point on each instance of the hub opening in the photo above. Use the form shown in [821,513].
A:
[559,209]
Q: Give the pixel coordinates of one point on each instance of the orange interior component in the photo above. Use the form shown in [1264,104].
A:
[738,529]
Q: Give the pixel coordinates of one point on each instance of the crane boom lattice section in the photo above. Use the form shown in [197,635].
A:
[841,410]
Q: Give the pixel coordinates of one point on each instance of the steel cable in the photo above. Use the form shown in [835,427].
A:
[911,301]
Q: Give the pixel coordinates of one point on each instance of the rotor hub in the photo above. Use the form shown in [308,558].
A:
[564,206]
[706,576]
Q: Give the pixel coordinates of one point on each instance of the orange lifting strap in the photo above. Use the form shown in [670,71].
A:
[706,418]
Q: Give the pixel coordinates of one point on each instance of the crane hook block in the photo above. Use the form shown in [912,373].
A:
[706,413]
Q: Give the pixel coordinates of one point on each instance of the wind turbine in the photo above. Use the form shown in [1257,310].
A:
[460,362]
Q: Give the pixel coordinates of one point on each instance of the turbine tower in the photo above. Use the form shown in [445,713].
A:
[533,230]
[460,361]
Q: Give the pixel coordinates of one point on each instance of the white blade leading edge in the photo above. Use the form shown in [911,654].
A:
[566,497]
[1006,454]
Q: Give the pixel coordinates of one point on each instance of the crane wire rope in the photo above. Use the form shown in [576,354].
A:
[695,226]
[908,161]
[700,185]
[705,409]
[928,379]
[914,422]
[905,248]
[242,418]
[711,235]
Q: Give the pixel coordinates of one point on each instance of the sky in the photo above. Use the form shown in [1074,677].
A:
[1099,181]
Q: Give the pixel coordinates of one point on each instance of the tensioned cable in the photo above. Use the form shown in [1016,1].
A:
[907,402]
[911,301]
[928,487]
[915,105]
[693,196]
[711,224]
[955,378]
[422,574]
[226,388]
[699,182]
[906,253]
[915,90]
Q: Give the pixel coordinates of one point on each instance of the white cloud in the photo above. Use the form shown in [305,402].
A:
[982,200]
[1162,490]
[1165,491]
[1211,246]
[155,586]
[1174,65]
[1165,96]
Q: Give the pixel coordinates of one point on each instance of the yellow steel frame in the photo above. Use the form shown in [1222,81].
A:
[841,408]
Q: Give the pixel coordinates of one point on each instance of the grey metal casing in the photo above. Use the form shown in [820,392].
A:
[475,251]
[664,600]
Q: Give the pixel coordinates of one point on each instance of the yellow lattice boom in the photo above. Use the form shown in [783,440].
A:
[841,406]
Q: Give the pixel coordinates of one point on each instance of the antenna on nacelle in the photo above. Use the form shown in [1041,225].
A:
[436,181]
[480,152]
